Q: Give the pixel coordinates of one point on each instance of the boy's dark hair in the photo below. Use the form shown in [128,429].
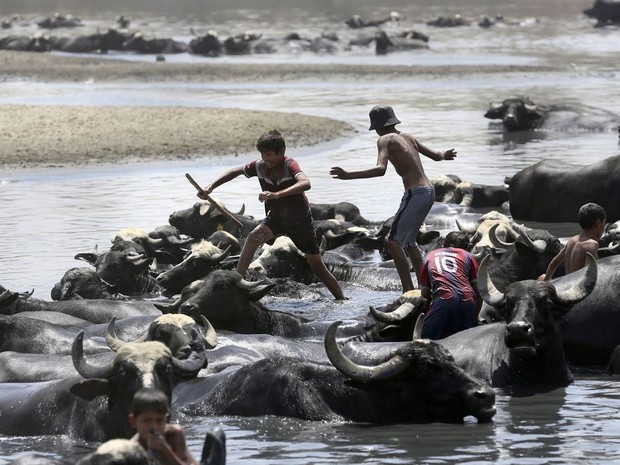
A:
[589,213]
[148,399]
[270,140]
[457,239]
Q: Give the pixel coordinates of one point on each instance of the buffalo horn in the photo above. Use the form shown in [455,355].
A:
[196,360]
[463,228]
[81,364]
[538,246]
[248,285]
[582,288]
[393,367]
[488,291]
[419,324]
[218,257]
[396,316]
[496,241]
[112,339]
[210,337]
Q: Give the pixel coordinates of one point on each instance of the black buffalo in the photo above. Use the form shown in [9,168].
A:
[94,408]
[526,348]
[521,114]
[604,11]
[93,310]
[203,219]
[416,383]
[203,258]
[553,191]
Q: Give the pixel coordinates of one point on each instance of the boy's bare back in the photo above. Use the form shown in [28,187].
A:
[576,249]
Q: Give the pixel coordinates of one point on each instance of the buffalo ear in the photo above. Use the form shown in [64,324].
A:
[87,257]
[493,113]
[90,388]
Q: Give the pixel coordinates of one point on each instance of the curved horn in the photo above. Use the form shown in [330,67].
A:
[241,210]
[26,295]
[463,228]
[538,246]
[248,285]
[218,257]
[583,288]
[488,291]
[210,337]
[81,364]
[496,241]
[196,360]
[396,316]
[419,324]
[393,367]
[112,339]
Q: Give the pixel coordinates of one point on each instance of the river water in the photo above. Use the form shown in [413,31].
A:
[48,216]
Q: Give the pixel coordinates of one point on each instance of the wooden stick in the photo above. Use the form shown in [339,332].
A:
[215,204]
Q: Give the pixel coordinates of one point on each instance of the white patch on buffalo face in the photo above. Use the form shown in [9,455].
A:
[143,356]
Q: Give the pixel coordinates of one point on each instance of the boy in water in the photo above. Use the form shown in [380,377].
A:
[403,152]
[287,208]
[150,416]
[591,218]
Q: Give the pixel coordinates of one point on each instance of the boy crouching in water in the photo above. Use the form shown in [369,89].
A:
[163,441]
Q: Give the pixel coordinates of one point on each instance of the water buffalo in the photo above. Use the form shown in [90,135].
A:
[124,272]
[207,45]
[451,189]
[356,21]
[591,330]
[140,43]
[416,383]
[519,113]
[59,20]
[93,310]
[36,42]
[343,211]
[526,348]
[94,408]
[385,44]
[82,283]
[177,332]
[604,11]
[29,335]
[203,258]
[203,219]
[553,191]
[532,311]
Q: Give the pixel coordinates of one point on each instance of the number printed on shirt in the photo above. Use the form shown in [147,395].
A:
[447,264]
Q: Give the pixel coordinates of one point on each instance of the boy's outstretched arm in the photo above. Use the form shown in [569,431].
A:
[224,178]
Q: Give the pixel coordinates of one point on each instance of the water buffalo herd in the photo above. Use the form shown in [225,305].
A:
[166,309]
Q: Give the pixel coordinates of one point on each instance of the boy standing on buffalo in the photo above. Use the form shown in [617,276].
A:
[283,184]
[403,152]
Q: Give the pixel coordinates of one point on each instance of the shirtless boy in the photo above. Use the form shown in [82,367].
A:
[150,417]
[403,152]
[591,218]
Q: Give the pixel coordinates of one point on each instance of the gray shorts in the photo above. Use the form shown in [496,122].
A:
[414,206]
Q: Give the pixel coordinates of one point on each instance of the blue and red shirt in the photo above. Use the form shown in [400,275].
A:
[448,272]
[291,206]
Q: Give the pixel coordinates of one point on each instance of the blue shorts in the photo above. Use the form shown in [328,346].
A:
[414,206]
[448,316]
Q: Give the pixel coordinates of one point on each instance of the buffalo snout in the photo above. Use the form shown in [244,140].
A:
[519,334]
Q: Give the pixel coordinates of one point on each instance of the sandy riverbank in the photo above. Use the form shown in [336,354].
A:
[53,136]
